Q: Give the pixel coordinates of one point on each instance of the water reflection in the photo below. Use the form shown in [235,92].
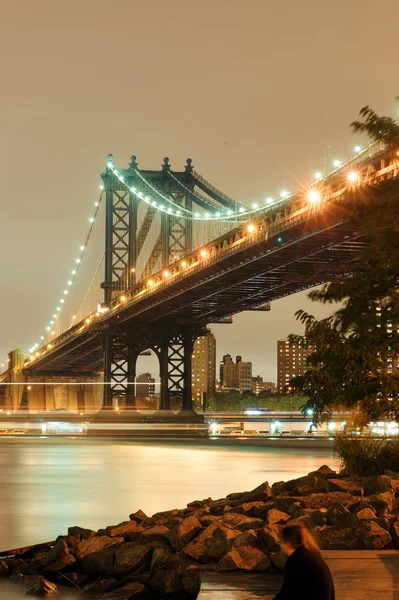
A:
[47,485]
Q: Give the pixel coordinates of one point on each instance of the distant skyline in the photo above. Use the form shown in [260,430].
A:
[256,99]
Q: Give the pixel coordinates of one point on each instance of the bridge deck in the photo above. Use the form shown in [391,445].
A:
[357,575]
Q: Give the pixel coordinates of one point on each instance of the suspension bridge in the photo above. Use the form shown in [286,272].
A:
[168,253]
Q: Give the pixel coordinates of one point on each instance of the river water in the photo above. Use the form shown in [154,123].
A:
[49,484]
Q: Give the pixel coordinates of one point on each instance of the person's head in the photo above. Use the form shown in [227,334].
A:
[296,536]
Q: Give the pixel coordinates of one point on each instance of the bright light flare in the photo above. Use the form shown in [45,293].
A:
[150,282]
[251,228]
[123,298]
[204,254]
[353,177]
[314,196]
[337,163]
[166,274]
[184,264]
[318,175]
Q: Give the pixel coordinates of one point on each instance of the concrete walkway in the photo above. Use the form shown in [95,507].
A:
[358,575]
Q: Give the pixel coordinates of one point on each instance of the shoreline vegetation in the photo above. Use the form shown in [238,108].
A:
[163,555]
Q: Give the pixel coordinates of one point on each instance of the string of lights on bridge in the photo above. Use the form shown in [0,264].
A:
[314,196]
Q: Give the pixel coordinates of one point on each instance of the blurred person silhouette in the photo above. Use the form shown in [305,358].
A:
[306,575]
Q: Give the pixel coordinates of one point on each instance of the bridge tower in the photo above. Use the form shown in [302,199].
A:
[138,240]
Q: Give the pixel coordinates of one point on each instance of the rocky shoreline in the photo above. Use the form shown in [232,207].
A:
[163,555]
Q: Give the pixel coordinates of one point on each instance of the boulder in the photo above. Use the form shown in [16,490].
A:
[119,530]
[324,472]
[337,539]
[270,535]
[327,500]
[184,532]
[95,544]
[247,553]
[36,585]
[134,535]
[366,513]
[278,488]
[66,560]
[166,582]
[337,515]
[131,591]
[59,550]
[129,557]
[241,522]
[316,518]
[371,536]
[345,485]
[276,516]
[80,531]
[138,516]
[160,557]
[158,533]
[284,503]
[99,564]
[261,493]
[376,485]
[212,543]
[382,503]
[248,509]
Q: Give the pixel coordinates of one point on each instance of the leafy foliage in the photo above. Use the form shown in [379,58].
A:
[366,455]
[350,350]
[376,127]
[236,402]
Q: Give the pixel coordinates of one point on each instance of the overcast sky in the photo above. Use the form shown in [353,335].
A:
[252,90]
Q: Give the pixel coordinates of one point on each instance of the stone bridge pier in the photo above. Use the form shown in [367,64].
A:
[38,393]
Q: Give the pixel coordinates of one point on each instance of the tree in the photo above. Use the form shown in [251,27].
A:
[350,351]
[378,128]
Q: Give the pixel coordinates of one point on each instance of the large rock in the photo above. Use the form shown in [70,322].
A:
[99,563]
[372,536]
[324,472]
[80,531]
[59,550]
[213,543]
[256,509]
[366,513]
[271,537]
[337,539]
[100,586]
[327,500]
[158,533]
[166,582]
[66,560]
[382,503]
[247,554]
[131,591]
[95,544]
[345,485]
[261,493]
[241,522]
[337,515]
[130,557]
[138,516]
[183,532]
[376,485]
[122,528]
[160,557]
[36,585]
[276,516]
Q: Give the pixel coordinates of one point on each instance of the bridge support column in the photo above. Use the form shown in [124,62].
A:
[188,343]
[107,392]
[164,375]
[131,375]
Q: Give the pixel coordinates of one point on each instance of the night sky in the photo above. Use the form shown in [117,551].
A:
[252,90]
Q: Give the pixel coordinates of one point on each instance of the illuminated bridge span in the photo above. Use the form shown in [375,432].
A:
[168,253]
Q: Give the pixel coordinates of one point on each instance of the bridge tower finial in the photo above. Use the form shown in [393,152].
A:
[189,166]
[133,163]
[166,165]
[110,160]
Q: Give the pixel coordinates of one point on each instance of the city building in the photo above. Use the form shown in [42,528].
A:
[291,362]
[392,358]
[204,368]
[258,385]
[145,385]
[235,375]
